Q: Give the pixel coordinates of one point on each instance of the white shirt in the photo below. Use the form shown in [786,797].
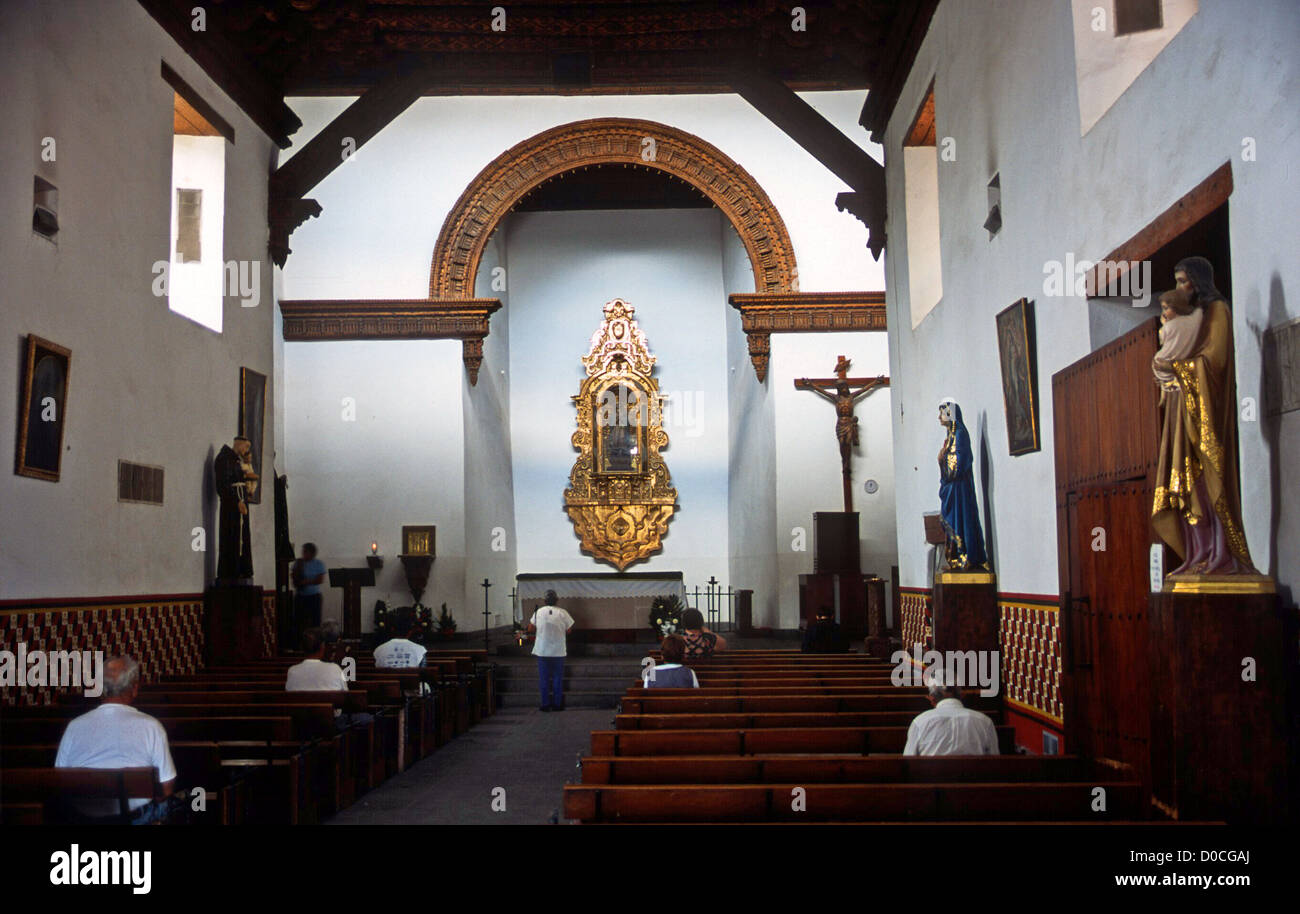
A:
[314,675]
[399,653]
[951,729]
[552,624]
[115,735]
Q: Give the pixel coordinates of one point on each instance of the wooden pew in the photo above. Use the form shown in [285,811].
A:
[264,741]
[51,788]
[651,703]
[198,764]
[908,802]
[768,720]
[849,740]
[823,769]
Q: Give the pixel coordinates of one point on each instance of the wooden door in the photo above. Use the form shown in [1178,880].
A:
[1106,439]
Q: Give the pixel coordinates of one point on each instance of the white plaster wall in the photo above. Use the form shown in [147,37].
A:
[808,455]
[400,461]
[751,478]
[491,542]
[564,267]
[145,384]
[1005,91]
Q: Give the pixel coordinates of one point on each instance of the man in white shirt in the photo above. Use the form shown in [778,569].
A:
[116,735]
[551,624]
[950,728]
[399,652]
[315,675]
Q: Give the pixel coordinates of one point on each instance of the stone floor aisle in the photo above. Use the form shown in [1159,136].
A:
[529,753]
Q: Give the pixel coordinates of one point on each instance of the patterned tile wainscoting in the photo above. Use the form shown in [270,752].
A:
[164,633]
[1030,668]
[915,611]
[1031,655]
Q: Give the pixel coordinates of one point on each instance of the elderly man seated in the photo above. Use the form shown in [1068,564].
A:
[950,728]
[116,735]
[314,674]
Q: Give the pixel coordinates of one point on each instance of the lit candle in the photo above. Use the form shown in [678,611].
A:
[374,549]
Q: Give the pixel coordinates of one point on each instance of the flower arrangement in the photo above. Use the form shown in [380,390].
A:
[446,623]
[666,615]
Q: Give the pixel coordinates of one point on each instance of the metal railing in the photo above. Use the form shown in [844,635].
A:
[716,603]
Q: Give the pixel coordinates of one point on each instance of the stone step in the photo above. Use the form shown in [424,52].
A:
[611,686]
[585,670]
[572,699]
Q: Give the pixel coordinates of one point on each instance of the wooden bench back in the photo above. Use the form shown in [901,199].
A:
[820,769]
[851,802]
[766,720]
[853,740]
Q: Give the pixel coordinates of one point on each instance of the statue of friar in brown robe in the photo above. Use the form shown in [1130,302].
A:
[1197,509]
[235,480]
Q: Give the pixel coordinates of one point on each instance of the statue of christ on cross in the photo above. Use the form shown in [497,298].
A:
[847,392]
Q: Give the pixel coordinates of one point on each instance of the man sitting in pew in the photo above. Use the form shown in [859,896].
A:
[671,674]
[400,652]
[314,674]
[116,735]
[950,728]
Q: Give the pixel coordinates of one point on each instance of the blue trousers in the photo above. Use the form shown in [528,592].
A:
[550,678]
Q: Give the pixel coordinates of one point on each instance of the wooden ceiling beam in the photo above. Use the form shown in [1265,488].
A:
[372,112]
[824,142]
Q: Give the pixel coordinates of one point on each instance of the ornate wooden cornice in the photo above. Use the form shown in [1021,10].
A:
[762,314]
[605,141]
[466,319]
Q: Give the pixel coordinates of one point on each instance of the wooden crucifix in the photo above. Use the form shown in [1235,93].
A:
[846,394]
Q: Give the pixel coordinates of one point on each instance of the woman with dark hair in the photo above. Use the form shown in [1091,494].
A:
[700,642]
[670,674]
[1197,507]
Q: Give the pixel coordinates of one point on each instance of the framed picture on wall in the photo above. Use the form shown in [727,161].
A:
[252,412]
[1019,376]
[42,409]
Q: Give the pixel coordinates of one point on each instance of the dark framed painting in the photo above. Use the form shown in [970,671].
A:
[43,409]
[252,413]
[1016,353]
[419,539]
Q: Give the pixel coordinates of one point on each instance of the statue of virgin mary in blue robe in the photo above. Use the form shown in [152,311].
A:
[957,505]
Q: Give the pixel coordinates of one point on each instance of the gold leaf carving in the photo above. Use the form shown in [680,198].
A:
[620,506]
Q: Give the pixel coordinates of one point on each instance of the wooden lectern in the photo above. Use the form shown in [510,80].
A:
[352,580]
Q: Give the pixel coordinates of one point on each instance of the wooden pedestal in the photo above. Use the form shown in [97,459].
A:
[233,627]
[745,613]
[848,592]
[965,612]
[1218,742]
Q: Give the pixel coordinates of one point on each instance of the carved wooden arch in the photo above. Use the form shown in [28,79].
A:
[605,141]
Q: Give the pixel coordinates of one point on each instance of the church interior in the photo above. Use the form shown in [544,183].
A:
[424,321]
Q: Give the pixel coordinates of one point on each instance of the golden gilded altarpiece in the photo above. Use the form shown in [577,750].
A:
[620,496]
